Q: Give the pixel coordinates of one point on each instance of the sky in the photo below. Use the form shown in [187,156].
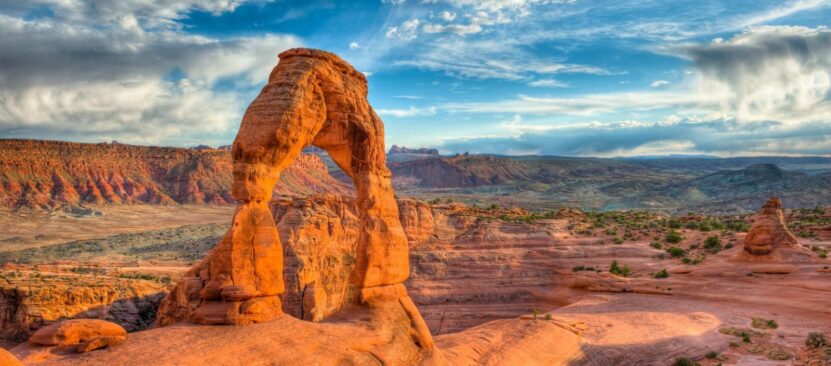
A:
[515,77]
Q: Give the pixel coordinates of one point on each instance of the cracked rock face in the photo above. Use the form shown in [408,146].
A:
[769,230]
[312,98]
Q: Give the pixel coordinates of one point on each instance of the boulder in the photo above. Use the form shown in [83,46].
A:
[75,331]
[100,342]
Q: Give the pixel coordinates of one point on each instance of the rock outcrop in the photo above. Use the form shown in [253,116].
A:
[8,359]
[769,231]
[30,300]
[75,332]
[312,98]
[50,174]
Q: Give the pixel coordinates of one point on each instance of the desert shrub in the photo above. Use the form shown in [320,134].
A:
[616,269]
[684,361]
[713,244]
[815,340]
[673,237]
[611,231]
[674,224]
[711,355]
[738,226]
[676,252]
[618,240]
[662,274]
[764,323]
[655,245]
[778,354]
[548,316]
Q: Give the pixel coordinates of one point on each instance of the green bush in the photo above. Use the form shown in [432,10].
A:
[711,355]
[676,252]
[684,361]
[662,274]
[674,224]
[618,241]
[815,340]
[616,269]
[713,244]
[655,245]
[673,237]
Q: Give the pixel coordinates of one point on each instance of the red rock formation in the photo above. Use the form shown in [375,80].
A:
[100,342]
[8,359]
[769,231]
[48,174]
[75,331]
[312,97]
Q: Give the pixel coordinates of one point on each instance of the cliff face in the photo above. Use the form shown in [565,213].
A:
[48,174]
[320,233]
[31,299]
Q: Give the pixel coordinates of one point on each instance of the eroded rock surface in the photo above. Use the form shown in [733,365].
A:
[30,300]
[50,174]
[312,98]
[75,331]
[769,230]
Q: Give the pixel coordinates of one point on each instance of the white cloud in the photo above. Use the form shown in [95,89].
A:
[780,73]
[548,83]
[790,8]
[354,46]
[659,83]
[573,69]
[408,112]
[407,31]
[447,16]
[151,83]
[461,29]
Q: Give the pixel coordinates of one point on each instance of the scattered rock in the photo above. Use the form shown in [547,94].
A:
[75,331]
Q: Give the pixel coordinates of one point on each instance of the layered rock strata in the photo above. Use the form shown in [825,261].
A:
[769,230]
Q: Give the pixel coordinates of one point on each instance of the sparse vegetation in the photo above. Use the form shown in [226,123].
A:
[685,361]
[616,269]
[676,252]
[712,244]
[673,237]
[760,323]
[655,245]
[815,340]
[662,273]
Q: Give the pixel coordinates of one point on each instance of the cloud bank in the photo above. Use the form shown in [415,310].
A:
[125,71]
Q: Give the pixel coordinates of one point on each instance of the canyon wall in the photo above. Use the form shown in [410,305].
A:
[48,174]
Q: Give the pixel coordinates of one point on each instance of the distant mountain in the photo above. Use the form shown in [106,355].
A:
[668,183]
[745,189]
[48,174]
[401,153]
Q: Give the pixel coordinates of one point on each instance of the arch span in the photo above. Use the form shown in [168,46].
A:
[312,98]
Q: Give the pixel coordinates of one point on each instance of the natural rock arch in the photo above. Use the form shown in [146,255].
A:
[312,98]
[315,98]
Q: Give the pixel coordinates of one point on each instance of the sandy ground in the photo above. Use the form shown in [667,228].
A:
[26,229]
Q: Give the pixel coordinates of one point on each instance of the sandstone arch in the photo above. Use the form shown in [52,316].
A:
[312,98]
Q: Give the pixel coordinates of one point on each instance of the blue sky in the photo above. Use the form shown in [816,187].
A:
[568,77]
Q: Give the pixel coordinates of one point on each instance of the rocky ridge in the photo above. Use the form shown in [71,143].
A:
[50,174]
